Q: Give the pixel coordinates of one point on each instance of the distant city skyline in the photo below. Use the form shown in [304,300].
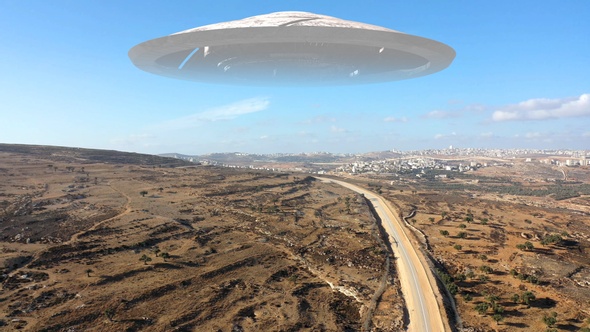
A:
[519,80]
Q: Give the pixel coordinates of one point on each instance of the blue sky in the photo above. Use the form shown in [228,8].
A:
[521,79]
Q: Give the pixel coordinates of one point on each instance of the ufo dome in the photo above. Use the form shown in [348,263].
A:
[291,48]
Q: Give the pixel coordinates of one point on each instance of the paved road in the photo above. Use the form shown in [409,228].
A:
[418,292]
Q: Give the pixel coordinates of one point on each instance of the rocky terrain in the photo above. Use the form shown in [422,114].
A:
[102,241]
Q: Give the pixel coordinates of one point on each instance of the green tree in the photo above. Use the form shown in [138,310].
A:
[462,235]
[145,258]
[498,318]
[88,271]
[444,232]
[462,226]
[165,256]
[458,246]
[347,203]
[482,308]
[515,298]
[532,279]
[492,298]
[528,245]
[497,308]
[143,193]
[486,269]
[550,320]
[453,289]
[550,239]
[528,298]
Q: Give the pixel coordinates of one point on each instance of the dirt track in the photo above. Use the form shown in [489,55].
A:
[419,293]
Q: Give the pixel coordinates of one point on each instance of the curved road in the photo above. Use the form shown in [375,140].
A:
[418,292]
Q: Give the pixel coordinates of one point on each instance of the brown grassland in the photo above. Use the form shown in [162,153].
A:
[103,241]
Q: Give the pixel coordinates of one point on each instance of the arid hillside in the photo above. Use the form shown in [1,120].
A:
[120,244]
[511,243]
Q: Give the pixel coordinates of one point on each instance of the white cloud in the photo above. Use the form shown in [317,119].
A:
[455,113]
[586,134]
[487,135]
[441,115]
[533,135]
[335,129]
[475,108]
[443,136]
[222,113]
[543,108]
[394,119]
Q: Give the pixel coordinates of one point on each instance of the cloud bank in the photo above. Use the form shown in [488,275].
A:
[543,109]
[394,119]
[222,113]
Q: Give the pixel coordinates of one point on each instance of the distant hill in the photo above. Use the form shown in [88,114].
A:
[248,158]
[59,153]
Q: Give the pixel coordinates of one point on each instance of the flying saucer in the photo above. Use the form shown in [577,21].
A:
[291,48]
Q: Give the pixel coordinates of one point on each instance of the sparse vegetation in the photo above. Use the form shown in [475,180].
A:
[550,320]
[145,259]
[551,239]
[498,318]
[482,308]
[527,298]
[525,246]
[447,281]
[225,247]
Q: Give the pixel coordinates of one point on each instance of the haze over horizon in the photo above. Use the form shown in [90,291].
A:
[519,80]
